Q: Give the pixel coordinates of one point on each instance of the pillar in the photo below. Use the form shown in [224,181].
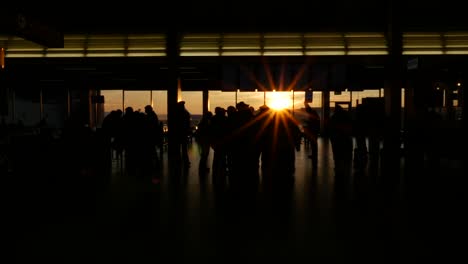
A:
[173,88]
[464,100]
[394,68]
[205,101]
[325,105]
[3,95]
[41,105]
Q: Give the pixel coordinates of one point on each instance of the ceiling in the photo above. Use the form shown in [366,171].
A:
[244,15]
[206,16]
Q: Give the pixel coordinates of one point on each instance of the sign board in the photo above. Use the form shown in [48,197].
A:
[309,96]
[38,32]
[2,58]
[413,64]
[97,99]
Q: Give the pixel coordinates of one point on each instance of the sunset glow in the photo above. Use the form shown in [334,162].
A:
[279,101]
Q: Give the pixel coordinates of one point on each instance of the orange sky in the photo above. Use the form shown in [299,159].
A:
[138,99]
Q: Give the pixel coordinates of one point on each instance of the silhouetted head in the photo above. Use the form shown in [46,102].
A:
[148,108]
[264,108]
[208,114]
[128,110]
[220,111]
[231,109]
[242,106]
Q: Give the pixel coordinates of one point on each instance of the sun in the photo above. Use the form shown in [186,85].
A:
[279,101]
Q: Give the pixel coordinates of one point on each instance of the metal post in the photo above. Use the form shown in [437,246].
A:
[173,94]
[41,106]
[68,103]
[123,101]
[394,68]
[206,101]
[293,102]
[151,98]
[13,105]
[96,108]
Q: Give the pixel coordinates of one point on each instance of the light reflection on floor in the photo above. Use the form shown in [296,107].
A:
[140,221]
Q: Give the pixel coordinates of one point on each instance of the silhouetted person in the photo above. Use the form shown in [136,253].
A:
[245,151]
[202,137]
[375,123]
[435,136]
[360,131]
[155,135]
[129,137]
[219,143]
[163,139]
[182,131]
[312,130]
[281,139]
[3,127]
[341,138]
[82,156]
[115,130]
[231,115]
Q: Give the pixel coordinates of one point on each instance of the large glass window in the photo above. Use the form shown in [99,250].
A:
[254,99]
[112,100]
[344,96]
[137,100]
[193,103]
[27,106]
[159,103]
[299,107]
[277,100]
[221,99]
[54,106]
[299,98]
[358,95]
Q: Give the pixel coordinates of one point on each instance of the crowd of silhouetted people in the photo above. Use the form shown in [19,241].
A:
[247,143]
[243,138]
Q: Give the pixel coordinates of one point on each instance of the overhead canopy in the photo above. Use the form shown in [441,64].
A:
[123,46]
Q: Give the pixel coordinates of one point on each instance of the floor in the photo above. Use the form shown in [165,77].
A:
[359,218]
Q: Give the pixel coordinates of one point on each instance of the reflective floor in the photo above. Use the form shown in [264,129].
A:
[360,217]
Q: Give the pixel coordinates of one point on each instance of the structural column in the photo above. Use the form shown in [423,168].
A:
[3,95]
[173,88]
[394,69]
[206,100]
[325,106]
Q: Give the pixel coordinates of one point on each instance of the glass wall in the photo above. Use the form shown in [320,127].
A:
[358,95]
[299,107]
[345,96]
[159,103]
[254,99]
[221,99]
[193,103]
[27,106]
[281,100]
[54,101]
[112,100]
[137,100]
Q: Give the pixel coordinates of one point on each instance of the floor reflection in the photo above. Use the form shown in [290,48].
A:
[183,214]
